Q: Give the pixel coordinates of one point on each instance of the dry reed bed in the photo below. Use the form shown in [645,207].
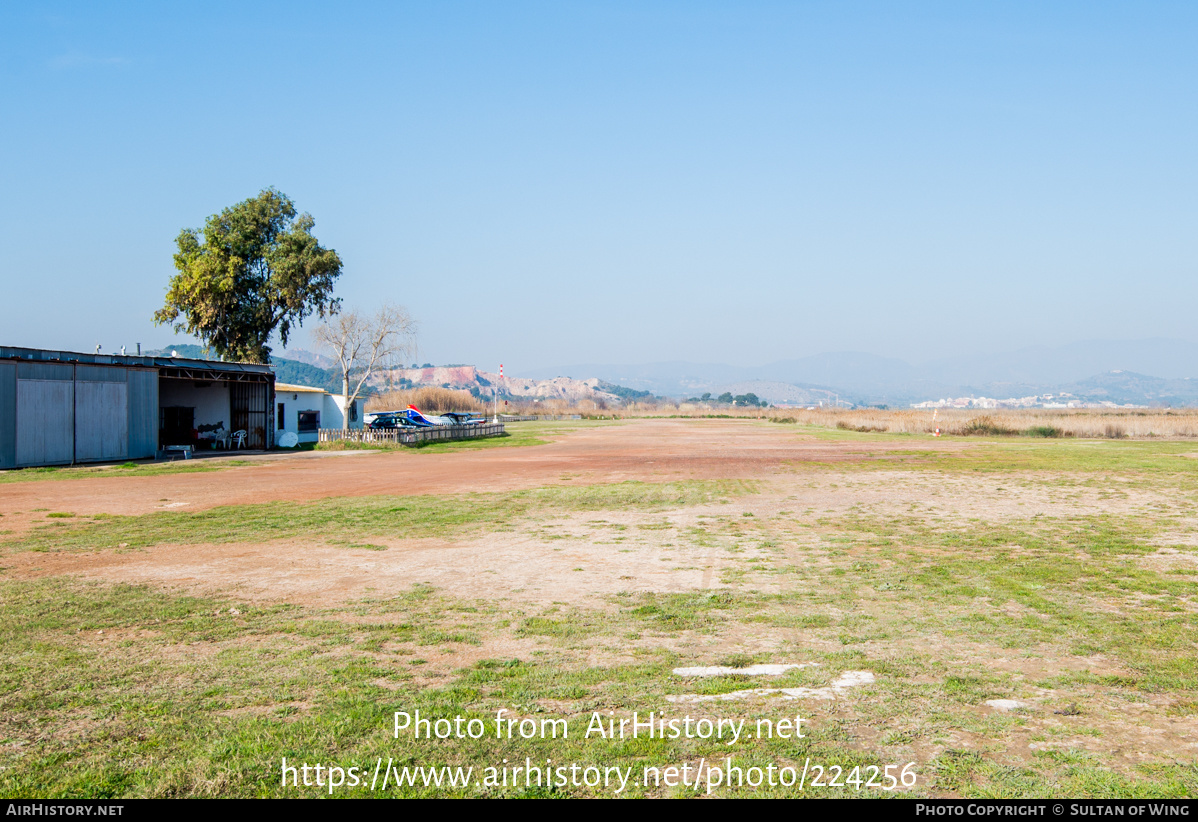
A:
[1179,423]
[1088,422]
[429,399]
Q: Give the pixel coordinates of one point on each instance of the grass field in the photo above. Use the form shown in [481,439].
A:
[1025,610]
[128,469]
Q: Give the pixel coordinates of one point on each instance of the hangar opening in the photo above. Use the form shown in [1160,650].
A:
[203,405]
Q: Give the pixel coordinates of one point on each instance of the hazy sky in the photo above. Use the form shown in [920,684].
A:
[552,183]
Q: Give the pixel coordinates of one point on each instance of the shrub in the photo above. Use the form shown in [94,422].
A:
[864,429]
[985,426]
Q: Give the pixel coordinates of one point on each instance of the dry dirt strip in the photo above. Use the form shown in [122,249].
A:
[645,450]
[502,564]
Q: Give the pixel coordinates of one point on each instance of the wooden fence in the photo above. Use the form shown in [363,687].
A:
[413,436]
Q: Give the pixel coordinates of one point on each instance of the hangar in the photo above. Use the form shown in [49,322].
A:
[65,408]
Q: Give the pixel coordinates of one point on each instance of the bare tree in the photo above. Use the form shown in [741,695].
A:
[363,344]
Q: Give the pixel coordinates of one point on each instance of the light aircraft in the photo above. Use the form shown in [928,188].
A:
[450,418]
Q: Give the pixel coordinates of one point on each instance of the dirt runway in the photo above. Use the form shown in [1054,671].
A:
[648,450]
[521,565]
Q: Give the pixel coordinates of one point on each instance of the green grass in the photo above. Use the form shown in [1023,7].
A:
[1041,453]
[208,703]
[128,469]
[146,693]
[699,611]
[180,697]
[1136,457]
[350,518]
[1077,584]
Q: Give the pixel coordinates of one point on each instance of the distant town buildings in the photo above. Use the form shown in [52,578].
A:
[1062,400]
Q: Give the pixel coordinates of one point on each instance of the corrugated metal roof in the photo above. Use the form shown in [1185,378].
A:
[46,355]
[298,389]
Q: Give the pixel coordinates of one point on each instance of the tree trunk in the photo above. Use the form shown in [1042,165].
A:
[345,405]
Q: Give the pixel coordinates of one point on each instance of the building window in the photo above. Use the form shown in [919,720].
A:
[279,422]
[309,421]
[353,411]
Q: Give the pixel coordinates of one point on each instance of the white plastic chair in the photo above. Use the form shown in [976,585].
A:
[239,438]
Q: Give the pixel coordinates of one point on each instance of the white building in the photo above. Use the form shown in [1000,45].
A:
[305,410]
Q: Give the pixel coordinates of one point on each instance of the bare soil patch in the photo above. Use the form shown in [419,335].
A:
[640,450]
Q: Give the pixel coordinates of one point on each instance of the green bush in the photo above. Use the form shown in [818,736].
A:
[985,426]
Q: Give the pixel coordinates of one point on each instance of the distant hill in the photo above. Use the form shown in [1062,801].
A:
[301,373]
[1130,388]
[308,357]
[626,394]
[286,370]
[481,384]
[1084,369]
[667,379]
[781,393]
[188,350]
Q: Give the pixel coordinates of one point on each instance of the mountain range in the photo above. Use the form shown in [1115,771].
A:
[1143,372]
[1153,372]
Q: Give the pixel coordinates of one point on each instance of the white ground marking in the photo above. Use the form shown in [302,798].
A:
[849,679]
[752,670]
[1007,704]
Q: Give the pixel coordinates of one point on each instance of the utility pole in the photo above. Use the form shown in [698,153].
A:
[495,390]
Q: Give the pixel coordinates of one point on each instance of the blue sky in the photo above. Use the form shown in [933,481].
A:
[551,183]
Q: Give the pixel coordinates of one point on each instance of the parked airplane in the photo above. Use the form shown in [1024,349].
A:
[449,418]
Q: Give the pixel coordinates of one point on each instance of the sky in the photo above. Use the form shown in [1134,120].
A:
[547,183]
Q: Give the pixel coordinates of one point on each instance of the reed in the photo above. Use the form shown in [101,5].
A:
[429,399]
[1146,423]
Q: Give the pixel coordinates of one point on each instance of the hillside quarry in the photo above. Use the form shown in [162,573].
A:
[480,383]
